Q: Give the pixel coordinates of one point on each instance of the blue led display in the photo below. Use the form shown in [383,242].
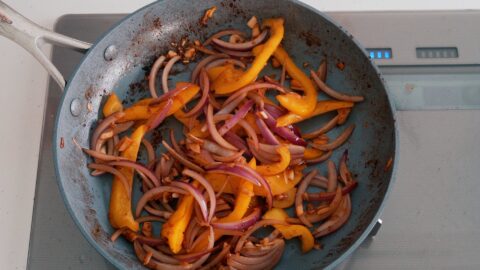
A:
[381,53]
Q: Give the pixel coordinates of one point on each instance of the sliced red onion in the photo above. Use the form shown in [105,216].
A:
[247,173]
[144,219]
[332,177]
[224,61]
[324,129]
[190,257]
[159,116]
[170,94]
[254,228]
[222,33]
[208,187]
[261,155]
[283,132]
[154,264]
[218,258]
[298,197]
[112,170]
[205,85]
[228,108]
[266,132]
[161,256]
[196,194]
[102,156]
[321,158]
[237,141]
[251,87]
[166,72]
[214,132]
[203,63]
[241,224]
[332,93]
[156,212]
[274,111]
[118,233]
[236,170]
[250,131]
[296,151]
[227,159]
[138,167]
[187,163]
[150,150]
[338,219]
[153,76]
[328,196]
[104,124]
[241,46]
[341,139]
[153,194]
[239,115]
[234,53]
[217,149]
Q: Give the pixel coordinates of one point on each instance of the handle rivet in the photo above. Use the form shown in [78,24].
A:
[76,107]
[110,53]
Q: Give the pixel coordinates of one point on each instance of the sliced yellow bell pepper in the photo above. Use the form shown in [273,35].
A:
[279,183]
[311,153]
[301,105]
[276,35]
[250,118]
[120,211]
[214,72]
[176,225]
[112,105]
[144,111]
[287,200]
[321,108]
[229,75]
[291,231]
[279,167]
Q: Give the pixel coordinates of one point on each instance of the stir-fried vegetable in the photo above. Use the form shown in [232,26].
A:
[200,189]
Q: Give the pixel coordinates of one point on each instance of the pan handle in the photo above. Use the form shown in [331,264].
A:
[31,36]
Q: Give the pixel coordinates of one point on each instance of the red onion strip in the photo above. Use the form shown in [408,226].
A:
[223,33]
[217,149]
[203,63]
[237,141]
[159,116]
[153,76]
[332,177]
[112,170]
[324,129]
[214,132]
[187,163]
[283,132]
[150,150]
[254,228]
[154,194]
[102,156]
[339,217]
[328,196]
[266,132]
[251,87]
[321,158]
[241,46]
[342,138]
[332,93]
[197,195]
[161,256]
[205,85]
[239,115]
[104,124]
[298,197]
[241,224]
[208,187]
[166,72]
[234,53]
[138,167]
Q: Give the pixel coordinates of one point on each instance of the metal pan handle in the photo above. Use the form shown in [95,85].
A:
[31,36]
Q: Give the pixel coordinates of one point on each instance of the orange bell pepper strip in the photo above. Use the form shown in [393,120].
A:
[112,105]
[176,225]
[276,36]
[242,203]
[285,200]
[120,211]
[279,167]
[291,231]
[214,72]
[301,105]
[311,153]
[322,107]
[144,111]
[279,183]
[229,75]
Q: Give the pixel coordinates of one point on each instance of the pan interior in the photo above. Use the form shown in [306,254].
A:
[141,37]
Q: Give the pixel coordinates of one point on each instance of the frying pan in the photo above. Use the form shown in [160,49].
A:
[117,61]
